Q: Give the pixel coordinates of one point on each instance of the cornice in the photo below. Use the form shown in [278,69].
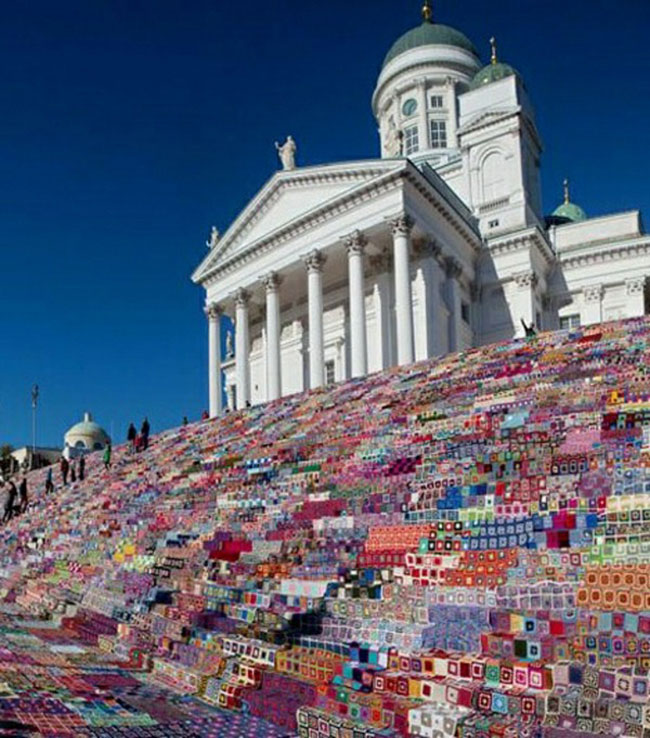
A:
[605,255]
[520,240]
[444,208]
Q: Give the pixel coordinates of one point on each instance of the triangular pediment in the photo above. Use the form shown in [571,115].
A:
[289,196]
[487,117]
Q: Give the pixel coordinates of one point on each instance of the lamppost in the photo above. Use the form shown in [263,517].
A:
[34,404]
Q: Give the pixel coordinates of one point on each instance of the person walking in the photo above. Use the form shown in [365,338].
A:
[49,484]
[144,432]
[10,501]
[24,501]
[65,468]
[131,435]
[82,468]
[107,456]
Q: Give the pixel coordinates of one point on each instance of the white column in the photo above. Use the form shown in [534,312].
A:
[242,359]
[428,252]
[314,263]
[453,270]
[403,303]
[355,245]
[382,343]
[273,376]
[213,313]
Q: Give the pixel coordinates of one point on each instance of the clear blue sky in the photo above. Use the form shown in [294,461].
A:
[129,127]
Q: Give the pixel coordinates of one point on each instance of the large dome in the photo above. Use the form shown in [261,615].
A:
[429,34]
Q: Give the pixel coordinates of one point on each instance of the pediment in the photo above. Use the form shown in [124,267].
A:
[287,197]
[486,117]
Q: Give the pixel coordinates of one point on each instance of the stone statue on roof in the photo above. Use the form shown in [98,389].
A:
[214,238]
[287,153]
[393,143]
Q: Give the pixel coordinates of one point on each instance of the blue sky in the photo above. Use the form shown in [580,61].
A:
[129,127]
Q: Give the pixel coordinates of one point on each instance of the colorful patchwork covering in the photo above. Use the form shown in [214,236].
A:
[456,548]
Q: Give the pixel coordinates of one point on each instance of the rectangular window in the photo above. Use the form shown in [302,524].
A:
[411,140]
[436,101]
[330,377]
[438,134]
[570,321]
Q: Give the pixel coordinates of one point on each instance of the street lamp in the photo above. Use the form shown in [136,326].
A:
[34,404]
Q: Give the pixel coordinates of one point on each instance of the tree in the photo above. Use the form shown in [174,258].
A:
[5,458]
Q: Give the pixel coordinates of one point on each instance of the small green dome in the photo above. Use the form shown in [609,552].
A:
[570,211]
[492,73]
[429,34]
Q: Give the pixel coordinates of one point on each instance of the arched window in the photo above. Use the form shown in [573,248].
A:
[493,177]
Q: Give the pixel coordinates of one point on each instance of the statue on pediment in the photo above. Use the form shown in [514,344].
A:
[287,153]
[393,145]
[214,238]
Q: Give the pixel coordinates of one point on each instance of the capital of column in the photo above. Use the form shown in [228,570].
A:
[355,243]
[212,311]
[525,280]
[635,285]
[241,298]
[271,281]
[593,293]
[453,268]
[315,261]
[401,225]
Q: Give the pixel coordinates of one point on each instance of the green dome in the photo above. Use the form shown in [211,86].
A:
[570,211]
[492,73]
[429,34]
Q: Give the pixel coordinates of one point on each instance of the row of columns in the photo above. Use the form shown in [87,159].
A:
[314,262]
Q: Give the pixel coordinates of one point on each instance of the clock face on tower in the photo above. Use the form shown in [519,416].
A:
[409,107]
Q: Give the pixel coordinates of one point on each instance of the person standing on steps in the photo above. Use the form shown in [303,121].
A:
[107,456]
[24,501]
[82,467]
[49,484]
[10,501]
[144,433]
[131,435]
[73,473]
[65,468]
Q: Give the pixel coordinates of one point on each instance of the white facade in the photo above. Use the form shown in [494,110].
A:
[338,270]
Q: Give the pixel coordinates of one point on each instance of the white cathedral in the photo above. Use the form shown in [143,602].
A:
[338,270]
